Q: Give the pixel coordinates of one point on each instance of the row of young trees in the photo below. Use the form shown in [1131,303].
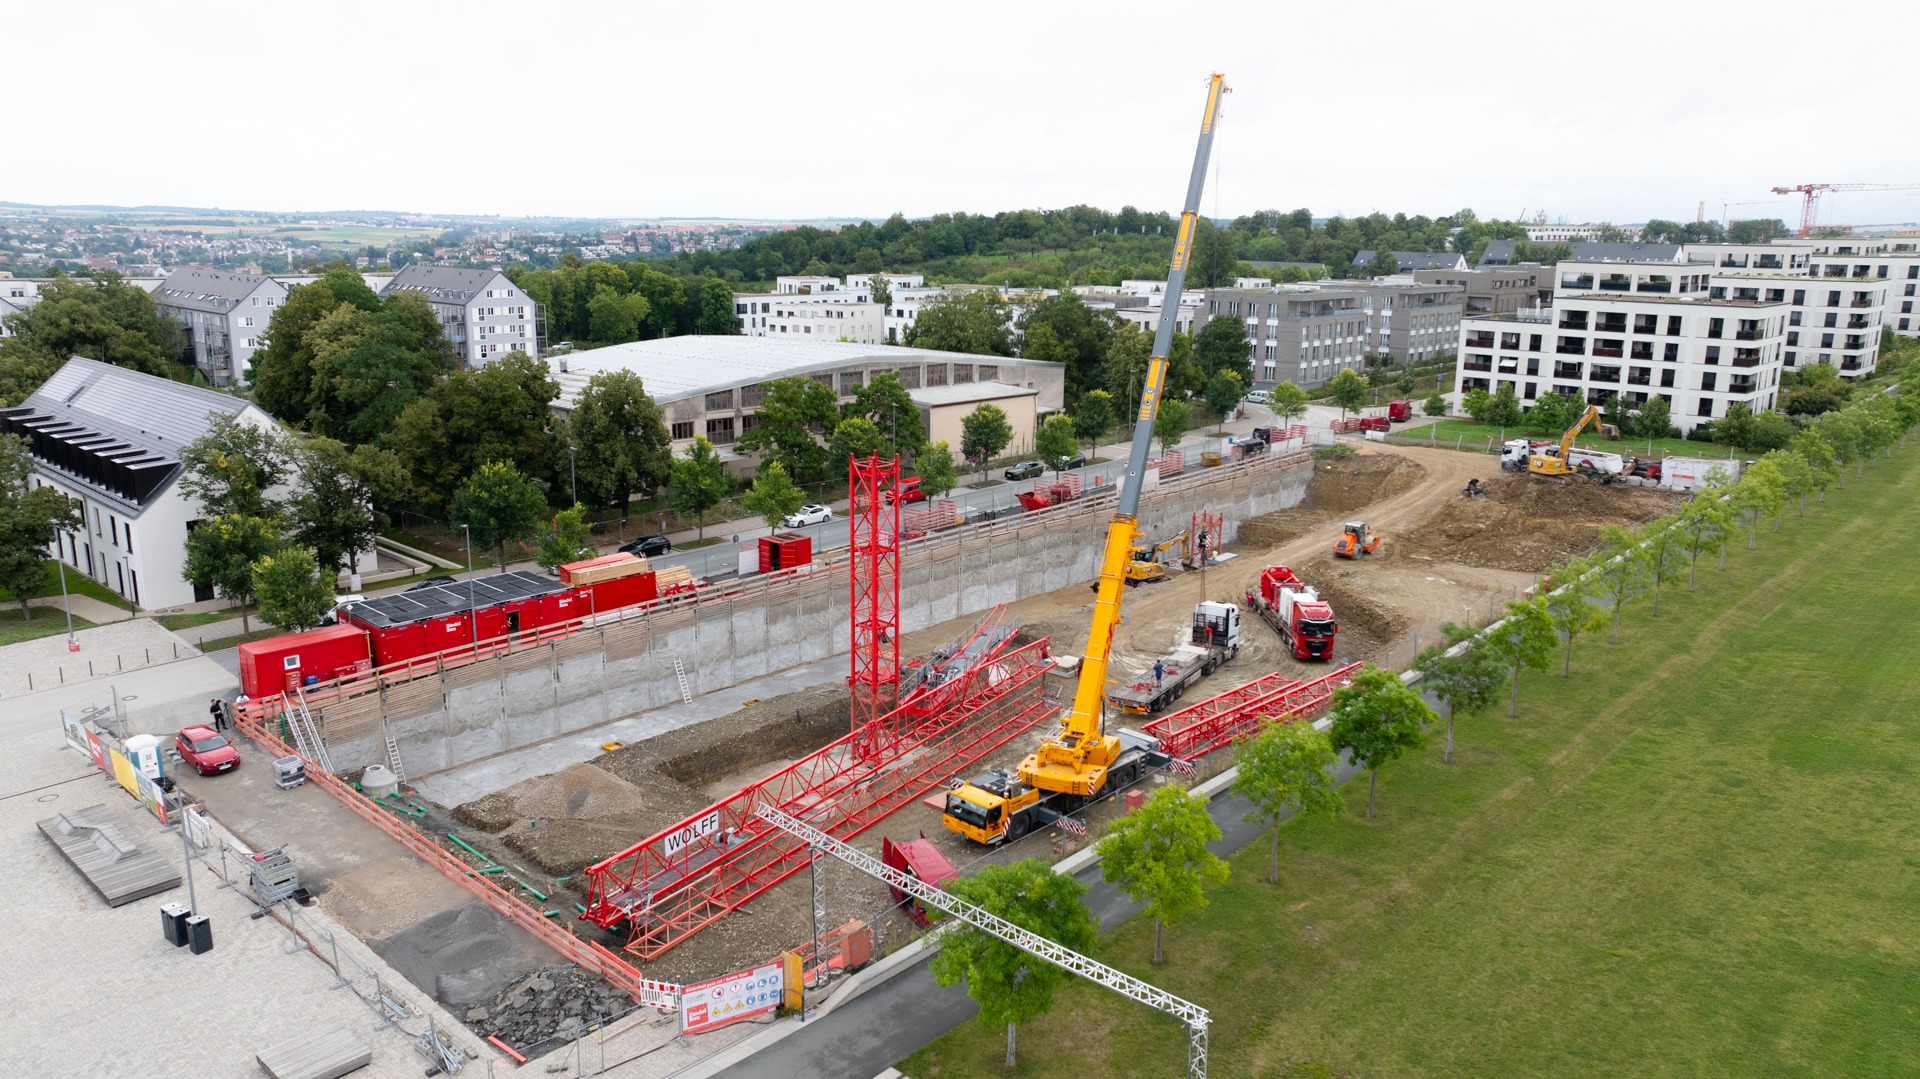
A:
[1159,855]
[610,303]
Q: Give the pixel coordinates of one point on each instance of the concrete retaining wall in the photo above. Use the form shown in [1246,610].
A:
[451,717]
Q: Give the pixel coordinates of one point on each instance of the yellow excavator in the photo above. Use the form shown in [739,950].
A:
[1146,564]
[1554,463]
[1080,762]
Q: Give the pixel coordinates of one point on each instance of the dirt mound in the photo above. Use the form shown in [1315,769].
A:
[1527,523]
[1339,486]
[1355,605]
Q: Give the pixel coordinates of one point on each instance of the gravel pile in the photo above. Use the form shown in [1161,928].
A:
[551,1005]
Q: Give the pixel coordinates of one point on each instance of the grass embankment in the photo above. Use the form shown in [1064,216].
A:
[1694,857]
[78,584]
[46,622]
[1474,435]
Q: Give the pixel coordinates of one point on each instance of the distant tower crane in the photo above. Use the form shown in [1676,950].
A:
[1810,198]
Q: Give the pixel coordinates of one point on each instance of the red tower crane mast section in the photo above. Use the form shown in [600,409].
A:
[1810,198]
[873,520]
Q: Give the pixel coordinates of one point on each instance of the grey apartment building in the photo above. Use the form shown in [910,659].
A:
[1410,321]
[1497,290]
[226,317]
[483,314]
[1297,334]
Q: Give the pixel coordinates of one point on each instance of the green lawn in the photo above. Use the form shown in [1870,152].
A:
[1695,857]
[1470,434]
[196,618]
[78,584]
[46,621]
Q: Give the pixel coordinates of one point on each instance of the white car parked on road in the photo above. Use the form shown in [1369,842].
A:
[811,514]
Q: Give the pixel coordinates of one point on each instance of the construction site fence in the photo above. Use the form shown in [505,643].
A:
[630,630]
[588,955]
[1492,444]
[86,665]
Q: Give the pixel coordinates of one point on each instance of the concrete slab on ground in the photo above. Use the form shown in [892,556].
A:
[72,957]
[105,652]
[157,699]
[456,786]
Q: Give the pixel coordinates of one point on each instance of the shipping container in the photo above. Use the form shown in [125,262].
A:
[278,664]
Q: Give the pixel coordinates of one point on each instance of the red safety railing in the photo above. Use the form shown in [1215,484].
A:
[586,954]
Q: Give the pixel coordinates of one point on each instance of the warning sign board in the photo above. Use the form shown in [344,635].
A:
[710,1005]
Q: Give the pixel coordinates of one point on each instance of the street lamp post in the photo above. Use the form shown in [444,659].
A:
[573,475]
[473,622]
[72,645]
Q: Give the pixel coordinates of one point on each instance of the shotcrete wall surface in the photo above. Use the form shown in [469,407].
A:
[745,630]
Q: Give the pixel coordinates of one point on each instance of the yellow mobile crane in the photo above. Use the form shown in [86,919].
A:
[1080,761]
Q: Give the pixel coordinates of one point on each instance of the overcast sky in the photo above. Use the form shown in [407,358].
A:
[1610,111]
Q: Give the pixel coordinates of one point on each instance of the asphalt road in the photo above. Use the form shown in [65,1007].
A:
[894,1020]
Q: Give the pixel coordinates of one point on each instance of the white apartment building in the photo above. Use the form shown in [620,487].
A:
[756,309]
[1636,330]
[1560,234]
[111,438]
[859,323]
[863,282]
[1843,290]
[483,314]
[226,316]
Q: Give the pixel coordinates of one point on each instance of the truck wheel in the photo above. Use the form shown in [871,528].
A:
[1018,827]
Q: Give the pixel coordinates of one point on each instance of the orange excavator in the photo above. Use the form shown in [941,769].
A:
[1355,540]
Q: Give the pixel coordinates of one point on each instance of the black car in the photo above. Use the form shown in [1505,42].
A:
[648,546]
[1078,460]
[1025,470]
[431,582]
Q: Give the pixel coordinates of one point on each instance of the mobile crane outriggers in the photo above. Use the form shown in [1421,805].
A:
[1081,762]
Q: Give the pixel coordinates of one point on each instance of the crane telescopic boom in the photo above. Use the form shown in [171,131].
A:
[1075,760]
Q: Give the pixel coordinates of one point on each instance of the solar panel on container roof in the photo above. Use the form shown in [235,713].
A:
[439,601]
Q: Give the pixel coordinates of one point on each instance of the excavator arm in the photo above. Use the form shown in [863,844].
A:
[1075,759]
[1586,419]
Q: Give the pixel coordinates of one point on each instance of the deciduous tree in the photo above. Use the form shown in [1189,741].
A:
[1620,572]
[794,416]
[1348,390]
[1704,523]
[1170,423]
[1463,672]
[984,432]
[887,405]
[1572,585]
[1224,391]
[221,553]
[974,321]
[936,470]
[29,518]
[1055,442]
[773,495]
[293,594]
[229,469]
[1287,402]
[1286,771]
[498,504]
[1011,986]
[102,319]
[569,538]
[1761,492]
[1503,410]
[1436,406]
[698,482]
[620,437]
[1222,345]
[1377,718]
[1094,417]
[500,412]
[335,508]
[856,436]
[1524,638]
[1158,855]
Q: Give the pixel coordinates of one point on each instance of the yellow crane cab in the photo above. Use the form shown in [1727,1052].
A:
[1355,540]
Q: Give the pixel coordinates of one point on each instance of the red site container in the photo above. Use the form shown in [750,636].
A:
[278,664]
[785,550]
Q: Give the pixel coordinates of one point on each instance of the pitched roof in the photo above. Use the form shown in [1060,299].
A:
[449,283]
[1415,260]
[120,431]
[208,290]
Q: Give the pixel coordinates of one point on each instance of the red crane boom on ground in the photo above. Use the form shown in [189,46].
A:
[1810,198]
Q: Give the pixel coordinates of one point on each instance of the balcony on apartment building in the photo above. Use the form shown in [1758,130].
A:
[1611,323]
[1860,299]
[1656,283]
[1738,262]
[1509,365]
[1643,350]
[1854,340]
[1609,347]
[1567,370]
[1618,282]
[1746,357]
[1647,324]
[1603,373]
[1742,385]
[1767,262]
[1598,395]
[1851,363]
[1476,363]
[1639,376]
[1480,339]
[1857,322]
[1574,347]
[1573,320]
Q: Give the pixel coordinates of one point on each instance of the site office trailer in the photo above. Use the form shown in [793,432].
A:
[280,664]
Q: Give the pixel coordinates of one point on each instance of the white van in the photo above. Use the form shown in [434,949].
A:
[1258,397]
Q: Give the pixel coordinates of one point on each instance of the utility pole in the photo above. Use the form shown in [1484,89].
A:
[72,645]
[473,628]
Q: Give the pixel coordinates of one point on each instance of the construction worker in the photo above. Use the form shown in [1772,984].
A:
[1159,672]
[218,711]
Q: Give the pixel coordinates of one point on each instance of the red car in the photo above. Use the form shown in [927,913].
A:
[909,491]
[206,750]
